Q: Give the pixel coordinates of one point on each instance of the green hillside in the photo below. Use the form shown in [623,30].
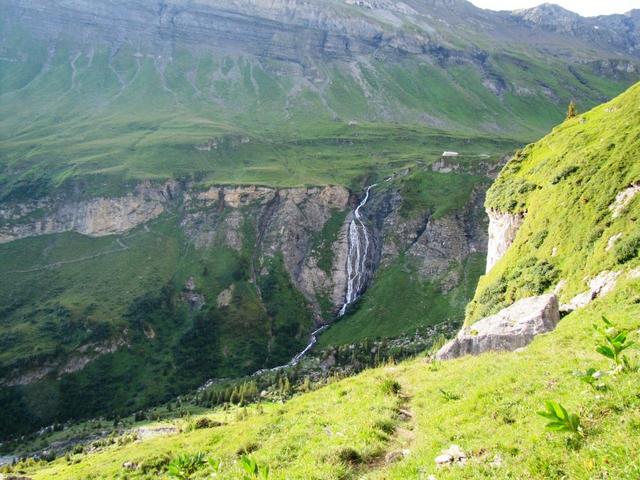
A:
[392,422]
[565,185]
[62,292]
[111,112]
[94,119]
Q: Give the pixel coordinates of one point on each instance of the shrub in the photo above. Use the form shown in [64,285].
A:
[185,465]
[349,455]
[627,249]
[385,426]
[538,239]
[564,174]
[205,422]
[247,448]
[154,465]
[390,386]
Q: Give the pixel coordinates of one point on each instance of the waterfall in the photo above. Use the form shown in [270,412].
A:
[357,255]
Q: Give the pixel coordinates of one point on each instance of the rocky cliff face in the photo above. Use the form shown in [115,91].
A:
[503,227]
[291,222]
[94,217]
[433,243]
[286,222]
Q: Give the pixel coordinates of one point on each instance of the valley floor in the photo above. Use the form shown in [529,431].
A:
[392,422]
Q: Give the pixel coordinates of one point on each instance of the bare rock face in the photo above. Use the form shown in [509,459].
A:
[95,217]
[503,228]
[434,244]
[623,199]
[283,222]
[510,329]
[599,286]
[298,214]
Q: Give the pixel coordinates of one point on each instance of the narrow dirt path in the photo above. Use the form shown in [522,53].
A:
[400,444]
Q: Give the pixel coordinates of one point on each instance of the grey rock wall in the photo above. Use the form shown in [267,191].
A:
[503,228]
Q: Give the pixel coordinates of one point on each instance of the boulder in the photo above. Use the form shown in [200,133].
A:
[452,455]
[510,329]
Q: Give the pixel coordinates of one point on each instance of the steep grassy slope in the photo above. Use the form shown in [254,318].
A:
[565,185]
[489,409]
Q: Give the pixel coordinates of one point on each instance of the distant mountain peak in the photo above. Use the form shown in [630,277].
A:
[548,14]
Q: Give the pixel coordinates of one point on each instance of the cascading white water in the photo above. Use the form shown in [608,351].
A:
[357,257]
[358,254]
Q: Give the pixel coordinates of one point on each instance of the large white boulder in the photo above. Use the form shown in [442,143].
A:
[511,328]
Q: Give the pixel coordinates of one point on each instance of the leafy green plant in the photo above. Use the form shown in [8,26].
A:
[254,470]
[592,377]
[185,465]
[560,420]
[449,396]
[615,342]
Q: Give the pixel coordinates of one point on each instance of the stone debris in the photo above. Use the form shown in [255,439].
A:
[146,433]
[599,286]
[612,241]
[395,456]
[454,455]
[129,465]
[623,199]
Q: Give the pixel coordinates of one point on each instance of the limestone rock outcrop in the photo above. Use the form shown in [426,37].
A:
[599,286]
[510,329]
[95,217]
[503,227]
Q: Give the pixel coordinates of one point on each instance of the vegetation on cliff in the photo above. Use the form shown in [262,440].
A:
[575,225]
